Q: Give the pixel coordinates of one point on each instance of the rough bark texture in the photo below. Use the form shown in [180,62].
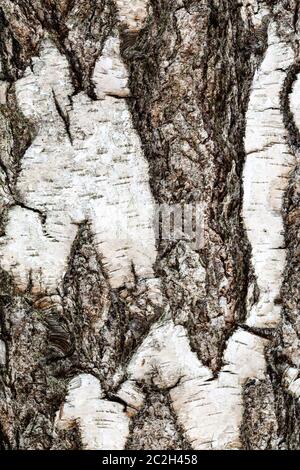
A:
[115,338]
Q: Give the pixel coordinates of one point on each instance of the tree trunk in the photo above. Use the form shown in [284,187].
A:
[149,189]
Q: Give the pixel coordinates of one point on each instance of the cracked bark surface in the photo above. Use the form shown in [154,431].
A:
[106,109]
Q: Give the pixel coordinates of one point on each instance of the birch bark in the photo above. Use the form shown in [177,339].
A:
[113,334]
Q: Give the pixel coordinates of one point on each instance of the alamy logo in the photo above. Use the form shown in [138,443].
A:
[180,221]
[171,222]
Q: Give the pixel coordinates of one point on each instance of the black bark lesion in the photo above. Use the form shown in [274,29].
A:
[64,117]
[18,134]
[293,131]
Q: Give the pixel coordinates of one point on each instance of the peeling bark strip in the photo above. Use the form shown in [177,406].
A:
[118,330]
[97,173]
[268,165]
[209,410]
[102,424]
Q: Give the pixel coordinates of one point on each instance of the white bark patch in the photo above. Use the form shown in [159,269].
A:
[254,10]
[291,380]
[110,74]
[2,353]
[85,163]
[266,173]
[3,91]
[294,102]
[132,13]
[209,410]
[103,425]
